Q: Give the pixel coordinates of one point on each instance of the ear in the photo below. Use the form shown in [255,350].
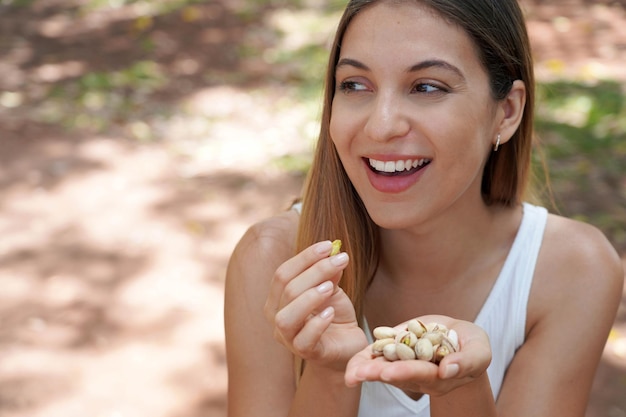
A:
[511,110]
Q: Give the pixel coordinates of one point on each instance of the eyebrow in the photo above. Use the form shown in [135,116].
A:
[430,63]
[437,63]
[344,62]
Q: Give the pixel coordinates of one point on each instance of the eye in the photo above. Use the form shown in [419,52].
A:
[429,88]
[351,86]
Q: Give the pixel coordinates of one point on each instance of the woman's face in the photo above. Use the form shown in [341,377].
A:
[412,117]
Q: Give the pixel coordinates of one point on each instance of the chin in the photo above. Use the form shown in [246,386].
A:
[401,219]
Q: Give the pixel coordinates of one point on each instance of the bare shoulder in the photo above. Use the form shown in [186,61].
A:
[576,290]
[577,265]
[580,249]
[263,247]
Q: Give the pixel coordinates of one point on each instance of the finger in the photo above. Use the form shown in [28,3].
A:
[291,269]
[410,370]
[327,269]
[306,342]
[471,361]
[291,319]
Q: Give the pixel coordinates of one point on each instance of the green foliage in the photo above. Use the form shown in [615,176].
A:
[583,130]
[306,69]
[295,164]
[158,7]
[16,3]
[98,100]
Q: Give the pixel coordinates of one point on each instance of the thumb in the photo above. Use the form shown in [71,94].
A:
[471,361]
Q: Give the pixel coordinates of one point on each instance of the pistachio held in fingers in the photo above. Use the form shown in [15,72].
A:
[336,247]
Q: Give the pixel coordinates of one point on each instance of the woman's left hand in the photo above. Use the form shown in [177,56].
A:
[456,369]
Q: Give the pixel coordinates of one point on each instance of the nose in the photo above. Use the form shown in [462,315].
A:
[387,119]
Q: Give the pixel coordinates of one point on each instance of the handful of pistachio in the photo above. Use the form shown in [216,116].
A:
[430,342]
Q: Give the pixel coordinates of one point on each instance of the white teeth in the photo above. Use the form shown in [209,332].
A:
[396,166]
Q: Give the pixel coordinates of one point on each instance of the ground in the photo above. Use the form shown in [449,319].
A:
[118,212]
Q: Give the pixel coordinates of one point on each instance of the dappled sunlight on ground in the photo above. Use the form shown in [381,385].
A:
[580,43]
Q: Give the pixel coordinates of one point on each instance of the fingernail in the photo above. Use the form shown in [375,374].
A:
[451,371]
[323,248]
[325,287]
[340,259]
[328,311]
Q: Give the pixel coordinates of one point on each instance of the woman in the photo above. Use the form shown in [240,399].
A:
[421,170]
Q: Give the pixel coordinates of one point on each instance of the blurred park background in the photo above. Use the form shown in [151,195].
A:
[138,141]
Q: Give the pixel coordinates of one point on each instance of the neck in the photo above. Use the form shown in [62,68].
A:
[448,268]
[437,257]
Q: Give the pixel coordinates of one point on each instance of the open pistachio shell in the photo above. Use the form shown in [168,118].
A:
[453,338]
[416,327]
[379,345]
[336,247]
[407,338]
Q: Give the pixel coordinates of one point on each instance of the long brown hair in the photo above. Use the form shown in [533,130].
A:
[331,207]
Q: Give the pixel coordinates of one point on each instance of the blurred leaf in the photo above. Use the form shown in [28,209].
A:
[190,14]
[143,23]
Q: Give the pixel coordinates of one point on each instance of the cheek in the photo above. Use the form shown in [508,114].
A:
[342,134]
[339,129]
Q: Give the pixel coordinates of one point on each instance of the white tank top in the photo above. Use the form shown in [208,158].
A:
[503,317]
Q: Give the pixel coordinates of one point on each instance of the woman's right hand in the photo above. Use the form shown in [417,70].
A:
[312,316]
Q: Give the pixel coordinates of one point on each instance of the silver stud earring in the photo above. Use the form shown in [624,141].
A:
[495,148]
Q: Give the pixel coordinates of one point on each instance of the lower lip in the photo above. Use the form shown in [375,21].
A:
[394,184]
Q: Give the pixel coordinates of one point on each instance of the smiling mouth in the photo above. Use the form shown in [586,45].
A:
[401,167]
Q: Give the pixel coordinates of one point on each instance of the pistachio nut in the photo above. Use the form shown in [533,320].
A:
[435,337]
[441,352]
[336,247]
[453,338]
[424,350]
[406,338]
[404,352]
[378,346]
[430,342]
[390,352]
[436,328]
[385,332]
[417,327]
